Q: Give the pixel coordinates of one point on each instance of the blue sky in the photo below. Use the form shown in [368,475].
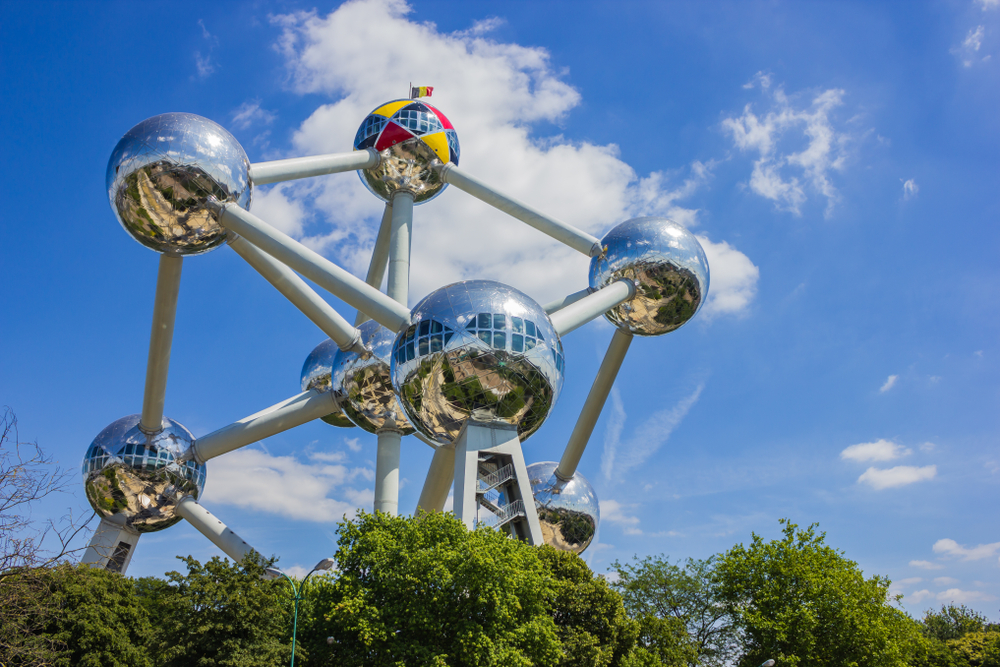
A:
[838,161]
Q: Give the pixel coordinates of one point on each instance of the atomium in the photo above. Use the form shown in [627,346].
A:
[163,173]
[477,350]
[411,137]
[137,478]
[316,373]
[666,264]
[362,383]
[568,510]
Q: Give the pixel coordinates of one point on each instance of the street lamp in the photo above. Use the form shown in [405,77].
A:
[274,573]
[767,663]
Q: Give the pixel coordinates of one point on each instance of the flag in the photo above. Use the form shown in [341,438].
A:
[420,91]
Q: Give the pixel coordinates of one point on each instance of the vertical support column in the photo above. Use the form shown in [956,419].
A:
[397,289]
[168,283]
[440,475]
[387,472]
[111,547]
[594,404]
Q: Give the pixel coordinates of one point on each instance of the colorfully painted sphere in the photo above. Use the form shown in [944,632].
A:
[316,375]
[135,477]
[163,173]
[411,137]
[668,267]
[362,383]
[477,350]
[568,511]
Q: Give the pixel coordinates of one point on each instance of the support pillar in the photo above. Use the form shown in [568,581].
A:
[111,547]
[438,482]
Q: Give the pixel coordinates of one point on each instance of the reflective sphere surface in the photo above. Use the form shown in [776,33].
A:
[316,375]
[668,267]
[163,172]
[363,383]
[477,350]
[412,137]
[567,511]
[135,476]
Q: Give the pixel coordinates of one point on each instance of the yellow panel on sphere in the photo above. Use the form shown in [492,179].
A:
[392,107]
[439,143]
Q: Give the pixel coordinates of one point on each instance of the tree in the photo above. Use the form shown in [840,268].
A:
[219,614]
[957,636]
[679,606]
[801,602]
[952,622]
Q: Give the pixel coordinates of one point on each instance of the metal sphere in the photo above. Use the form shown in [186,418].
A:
[163,173]
[411,137]
[316,375]
[362,383]
[477,350]
[668,267]
[568,511]
[134,477]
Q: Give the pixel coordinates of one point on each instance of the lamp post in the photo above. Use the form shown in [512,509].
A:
[767,663]
[274,573]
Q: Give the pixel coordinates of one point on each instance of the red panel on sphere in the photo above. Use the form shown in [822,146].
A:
[391,135]
[444,121]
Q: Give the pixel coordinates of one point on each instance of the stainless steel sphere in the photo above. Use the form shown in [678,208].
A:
[668,267]
[363,383]
[316,375]
[411,137]
[162,174]
[135,477]
[477,350]
[567,511]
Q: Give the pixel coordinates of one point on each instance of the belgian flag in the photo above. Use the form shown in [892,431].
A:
[420,91]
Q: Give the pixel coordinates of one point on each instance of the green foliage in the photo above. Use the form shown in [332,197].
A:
[219,614]
[977,649]
[427,591]
[801,602]
[952,622]
[679,608]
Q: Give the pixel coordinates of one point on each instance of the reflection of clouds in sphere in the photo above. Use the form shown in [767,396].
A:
[668,267]
[135,476]
[411,137]
[316,375]
[163,172]
[477,350]
[567,511]
[363,383]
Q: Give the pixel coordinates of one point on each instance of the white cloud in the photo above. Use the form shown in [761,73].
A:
[926,565]
[888,478]
[918,596]
[889,384]
[950,547]
[974,40]
[282,485]
[615,513]
[779,173]
[613,432]
[493,93]
[250,113]
[945,581]
[968,52]
[910,189]
[958,596]
[203,62]
[880,450]
[989,4]
[278,209]
[619,458]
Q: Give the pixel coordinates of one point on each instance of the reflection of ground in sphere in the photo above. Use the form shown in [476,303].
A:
[668,267]
[411,137]
[477,350]
[363,383]
[316,375]
[164,171]
[567,511]
[135,476]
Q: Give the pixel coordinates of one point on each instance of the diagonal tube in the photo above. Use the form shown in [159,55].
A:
[592,407]
[301,295]
[593,306]
[168,285]
[263,173]
[567,300]
[305,407]
[315,267]
[217,532]
[380,257]
[437,484]
[575,238]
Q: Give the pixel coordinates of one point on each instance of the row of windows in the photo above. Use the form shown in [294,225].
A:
[499,321]
[418,122]
[372,126]
[453,143]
